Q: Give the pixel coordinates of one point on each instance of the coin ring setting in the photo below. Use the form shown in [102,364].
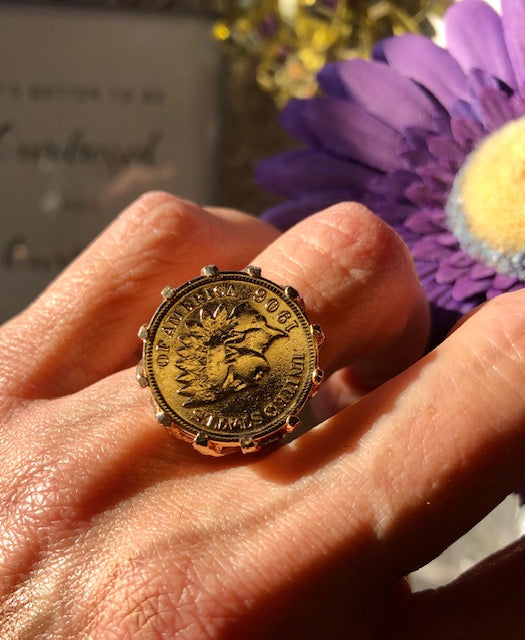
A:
[230,359]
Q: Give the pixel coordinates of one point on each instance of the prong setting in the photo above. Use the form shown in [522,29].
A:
[143,332]
[317,376]
[201,440]
[210,271]
[254,272]
[292,422]
[292,294]
[317,333]
[163,418]
[141,375]
[248,445]
[167,293]
[202,444]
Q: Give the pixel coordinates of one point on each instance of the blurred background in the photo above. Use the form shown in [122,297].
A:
[102,100]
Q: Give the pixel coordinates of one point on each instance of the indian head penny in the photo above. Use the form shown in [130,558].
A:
[230,359]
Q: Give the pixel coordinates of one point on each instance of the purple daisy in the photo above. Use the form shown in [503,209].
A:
[403,134]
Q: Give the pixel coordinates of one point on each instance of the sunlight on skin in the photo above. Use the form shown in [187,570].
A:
[112,529]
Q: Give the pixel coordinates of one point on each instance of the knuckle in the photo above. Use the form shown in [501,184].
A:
[38,508]
[36,493]
[152,199]
[362,238]
[162,229]
[503,321]
[382,248]
[160,214]
[149,596]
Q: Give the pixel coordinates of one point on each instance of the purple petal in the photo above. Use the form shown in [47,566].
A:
[421,60]
[393,213]
[471,303]
[436,176]
[495,109]
[425,221]
[494,291]
[408,237]
[429,248]
[475,38]
[447,274]
[414,158]
[462,109]
[416,137]
[446,300]
[288,213]
[466,287]
[446,151]
[296,172]
[423,195]
[481,271]
[347,130]
[419,223]
[425,269]
[330,81]
[513,20]
[442,123]
[293,122]
[503,282]
[391,184]
[447,239]
[435,291]
[392,98]
[467,132]
[518,106]
[477,80]
[461,259]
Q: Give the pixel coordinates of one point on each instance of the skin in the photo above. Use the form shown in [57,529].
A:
[110,529]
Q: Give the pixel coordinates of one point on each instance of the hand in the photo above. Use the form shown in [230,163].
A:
[111,529]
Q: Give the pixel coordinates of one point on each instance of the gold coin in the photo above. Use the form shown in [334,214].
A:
[230,359]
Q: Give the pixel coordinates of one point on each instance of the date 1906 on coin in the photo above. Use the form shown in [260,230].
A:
[230,358]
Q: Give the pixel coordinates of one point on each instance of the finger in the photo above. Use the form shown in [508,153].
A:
[467,410]
[428,454]
[356,277]
[465,317]
[484,603]
[107,432]
[358,281]
[84,326]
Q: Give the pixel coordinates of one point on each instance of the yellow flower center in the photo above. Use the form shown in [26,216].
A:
[486,208]
[493,189]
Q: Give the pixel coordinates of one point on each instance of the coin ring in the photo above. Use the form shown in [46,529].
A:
[230,359]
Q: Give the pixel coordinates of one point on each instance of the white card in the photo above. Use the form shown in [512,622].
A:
[96,107]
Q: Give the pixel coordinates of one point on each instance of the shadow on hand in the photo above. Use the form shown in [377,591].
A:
[157,457]
[337,435]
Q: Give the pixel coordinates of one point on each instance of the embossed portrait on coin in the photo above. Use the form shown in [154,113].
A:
[221,352]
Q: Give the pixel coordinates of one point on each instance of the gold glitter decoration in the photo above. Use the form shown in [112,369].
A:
[293,39]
